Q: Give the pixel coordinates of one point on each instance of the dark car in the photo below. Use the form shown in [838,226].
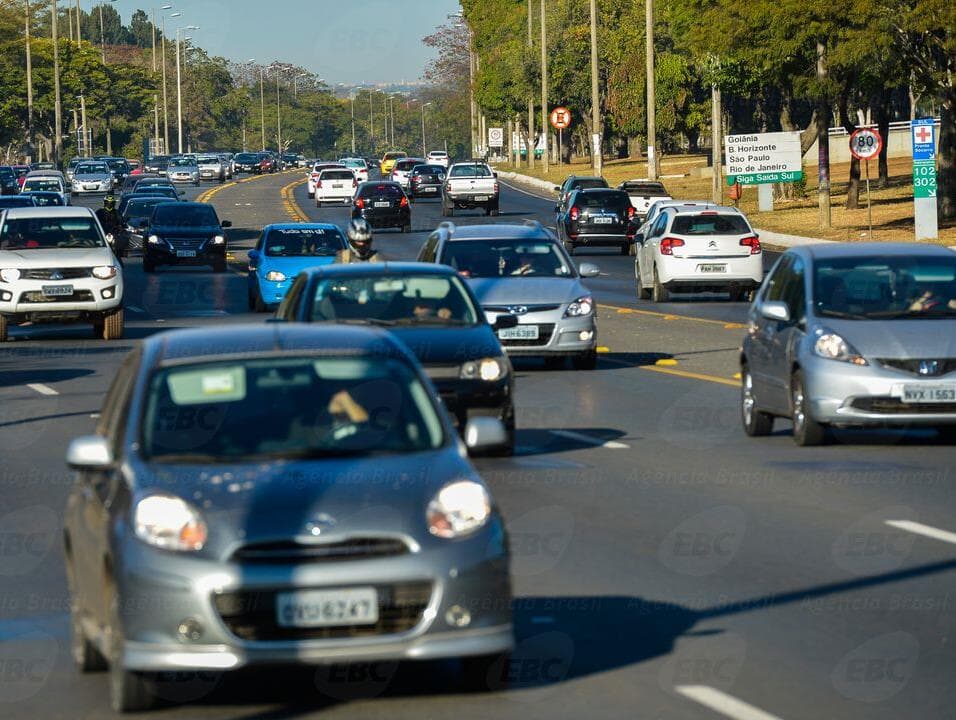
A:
[597,217]
[16,201]
[157,164]
[246,162]
[131,182]
[133,210]
[118,167]
[426,181]
[45,198]
[43,166]
[434,312]
[184,233]
[9,181]
[578,182]
[383,204]
[166,191]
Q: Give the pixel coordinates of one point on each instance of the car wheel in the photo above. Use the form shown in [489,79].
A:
[756,422]
[86,656]
[643,293]
[3,328]
[407,228]
[739,294]
[806,431]
[484,673]
[659,293]
[311,195]
[129,691]
[585,361]
[493,212]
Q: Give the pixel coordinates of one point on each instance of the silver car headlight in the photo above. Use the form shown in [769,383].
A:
[458,509]
[832,346]
[487,369]
[275,276]
[169,522]
[104,272]
[580,307]
[9,275]
[219,239]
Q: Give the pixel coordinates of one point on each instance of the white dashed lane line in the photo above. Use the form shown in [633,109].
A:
[721,702]
[924,530]
[42,389]
[597,442]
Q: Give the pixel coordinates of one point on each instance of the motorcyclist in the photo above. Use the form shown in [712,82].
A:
[359,247]
[112,225]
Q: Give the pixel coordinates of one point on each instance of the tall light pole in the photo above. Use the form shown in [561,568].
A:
[179,90]
[278,68]
[597,145]
[651,96]
[424,150]
[57,104]
[29,78]
[532,140]
[156,95]
[371,123]
[165,90]
[103,34]
[79,14]
[295,84]
[544,85]
[352,107]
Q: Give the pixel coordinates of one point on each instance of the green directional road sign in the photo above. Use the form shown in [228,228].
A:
[924,178]
[764,178]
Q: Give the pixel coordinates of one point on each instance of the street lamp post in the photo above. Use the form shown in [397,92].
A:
[57,104]
[424,105]
[371,124]
[156,95]
[179,90]
[352,107]
[278,116]
[596,136]
[651,96]
[29,78]
[165,91]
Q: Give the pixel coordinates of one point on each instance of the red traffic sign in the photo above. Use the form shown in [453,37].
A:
[865,143]
[560,118]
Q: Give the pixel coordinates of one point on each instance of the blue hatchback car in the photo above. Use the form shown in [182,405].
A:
[282,252]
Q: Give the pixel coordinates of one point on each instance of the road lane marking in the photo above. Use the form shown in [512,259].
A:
[135,309]
[42,389]
[721,702]
[207,195]
[666,362]
[670,316]
[597,442]
[691,375]
[525,192]
[603,349]
[292,207]
[925,530]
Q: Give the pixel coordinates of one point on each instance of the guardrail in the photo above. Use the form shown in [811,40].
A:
[897,126]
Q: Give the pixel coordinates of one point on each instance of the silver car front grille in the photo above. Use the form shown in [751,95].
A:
[290,551]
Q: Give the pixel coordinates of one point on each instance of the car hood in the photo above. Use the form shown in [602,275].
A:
[914,339]
[292,266]
[188,231]
[263,502]
[60,258]
[449,345]
[526,290]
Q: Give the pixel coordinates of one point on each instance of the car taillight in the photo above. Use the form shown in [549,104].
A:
[574,213]
[753,242]
[318,184]
[404,202]
[360,203]
[630,212]
[668,244]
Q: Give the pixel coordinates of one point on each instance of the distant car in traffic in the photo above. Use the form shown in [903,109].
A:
[357,166]
[523,270]
[577,182]
[335,185]
[283,493]
[388,161]
[643,193]
[9,184]
[426,180]
[595,217]
[184,233]
[92,177]
[246,162]
[438,157]
[383,204]
[402,169]
[282,252]
[212,167]
[183,169]
[45,198]
[47,181]
[470,185]
[133,210]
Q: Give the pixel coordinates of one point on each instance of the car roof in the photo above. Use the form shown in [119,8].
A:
[299,226]
[49,211]
[194,344]
[502,231]
[578,178]
[44,173]
[379,268]
[859,249]
[696,210]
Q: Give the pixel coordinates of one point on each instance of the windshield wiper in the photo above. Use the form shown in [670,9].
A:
[840,314]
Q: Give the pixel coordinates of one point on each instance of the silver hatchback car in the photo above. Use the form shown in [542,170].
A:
[859,334]
[280,494]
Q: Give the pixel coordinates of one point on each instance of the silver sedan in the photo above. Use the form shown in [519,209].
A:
[857,334]
[280,494]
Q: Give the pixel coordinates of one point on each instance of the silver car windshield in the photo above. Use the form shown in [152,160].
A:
[92,169]
[49,233]
[394,300]
[291,408]
[506,258]
[885,287]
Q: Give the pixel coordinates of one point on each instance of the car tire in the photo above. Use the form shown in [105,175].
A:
[484,673]
[756,422]
[659,293]
[493,212]
[739,294]
[3,328]
[87,658]
[130,691]
[643,293]
[585,361]
[311,195]
[407,228]
[807,432]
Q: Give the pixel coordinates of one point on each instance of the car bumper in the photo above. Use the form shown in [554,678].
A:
[84,190]
[599,239]
[334,197]
[182,179]
[386,218]
[87,298]
[845,394]
[159,591]
[465,399]
[426,191]
[272,293]
[685,272]
[471,200]
[163,254]
[557,335]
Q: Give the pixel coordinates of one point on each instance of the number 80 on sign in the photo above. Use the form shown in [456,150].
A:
[865,143]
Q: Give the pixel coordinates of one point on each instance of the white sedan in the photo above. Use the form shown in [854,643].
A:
[335,186]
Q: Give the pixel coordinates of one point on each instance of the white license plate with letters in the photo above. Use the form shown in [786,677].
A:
[711,269]
[383,204]
[327,608]
[521,332]
[185,253]
[481,198]
[929,393]
[601,220]
[57,290]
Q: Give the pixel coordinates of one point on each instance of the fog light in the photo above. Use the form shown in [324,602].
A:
[5,296]
[107,293]
[457,616]
[585,335]
[190,630]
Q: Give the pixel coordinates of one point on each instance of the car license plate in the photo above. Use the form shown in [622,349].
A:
[90,187]
[327,608]
[383,204]
[602,220]
[429,189]
[336,186]
[521,332]
[481,198]
[185,253]
[710,269]
[939,393]
[57,290]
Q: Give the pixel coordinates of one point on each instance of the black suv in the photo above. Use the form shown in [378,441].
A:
[184,233]
[596,217]
[578,182]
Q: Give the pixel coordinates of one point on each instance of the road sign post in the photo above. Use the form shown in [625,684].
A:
[923,133]
[865,144]
[560,120]
[763,159]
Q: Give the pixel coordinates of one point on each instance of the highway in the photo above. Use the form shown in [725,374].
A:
[664,564]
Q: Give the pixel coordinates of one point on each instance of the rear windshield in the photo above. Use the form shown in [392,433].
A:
[470,171]
[406,164]
[45,199]
[609,199]
[49,233]
[43,184]
[710,225]
[337,175]
[354,163]
[428,170]
[644,189]
[179,214]
[304,242]
[391,191]
[589,183]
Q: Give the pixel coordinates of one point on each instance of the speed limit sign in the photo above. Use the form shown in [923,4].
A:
[865,143]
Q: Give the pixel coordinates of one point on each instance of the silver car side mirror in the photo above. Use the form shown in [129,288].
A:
[485,432]
[589,270]
[773,310]
[90,452]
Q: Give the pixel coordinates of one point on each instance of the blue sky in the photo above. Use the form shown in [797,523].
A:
[351,41]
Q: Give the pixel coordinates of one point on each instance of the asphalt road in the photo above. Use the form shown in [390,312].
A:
[665,566]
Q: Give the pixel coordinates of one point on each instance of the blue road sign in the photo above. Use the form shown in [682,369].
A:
[924,139]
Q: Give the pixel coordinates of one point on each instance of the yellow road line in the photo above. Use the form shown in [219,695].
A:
[692,375]
[670,316]
[206,195]
[289,202]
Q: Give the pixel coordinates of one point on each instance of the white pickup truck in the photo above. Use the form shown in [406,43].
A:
[470,185]
[643,193]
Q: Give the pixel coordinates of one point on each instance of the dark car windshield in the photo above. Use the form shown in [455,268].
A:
[49,232]
[887,287]
[181,215]
[42,184]
[142,208]
[304,242]
[470,171]
[246,158]
[394,299]
[506,258]
[386,191]
[710,224]
[293,407]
